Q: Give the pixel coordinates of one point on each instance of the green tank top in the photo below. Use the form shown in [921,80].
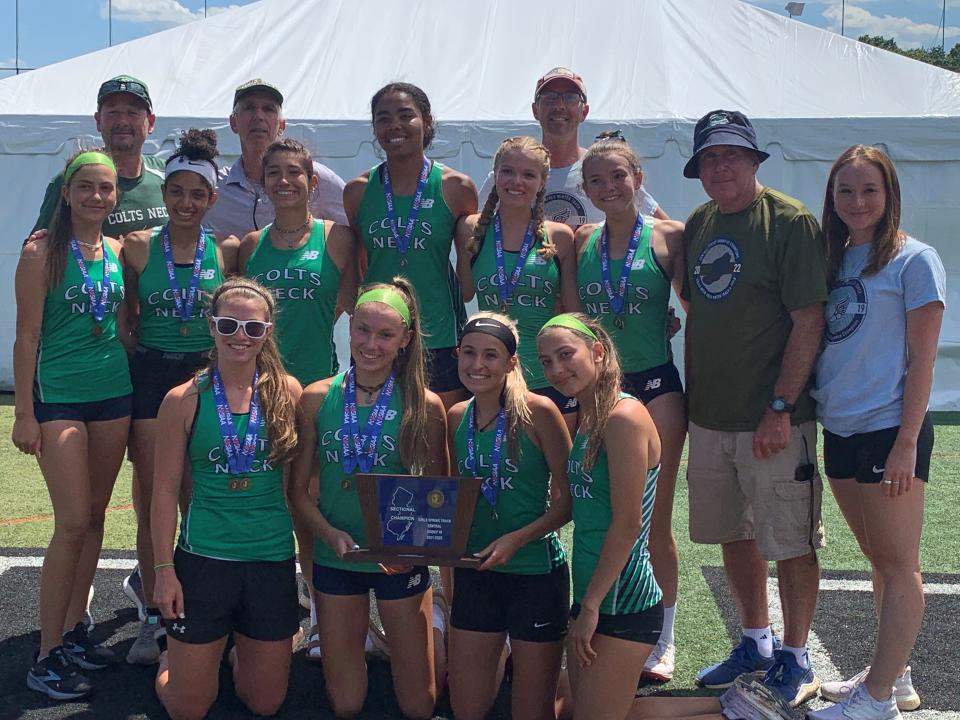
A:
[635,589]
[642,342]
[160,325]
[233,517]
[523,496]
[532,304]
[339,502]
[428,258]
[305,282]
[73,363]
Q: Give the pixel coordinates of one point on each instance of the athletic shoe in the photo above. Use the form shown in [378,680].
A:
[795,684]
[84,652]
[313,644]
[745,658]
[303,592]
[859,706]
[133,589]
[57,677]
[440,605]
[87,615]
[903,690]
[659,665]
[376,642]
[749,699]
[145,650]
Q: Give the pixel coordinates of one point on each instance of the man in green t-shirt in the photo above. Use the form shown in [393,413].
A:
[124,118]
[754,287]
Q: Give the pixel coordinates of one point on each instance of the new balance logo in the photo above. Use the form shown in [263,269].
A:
[653,384]
[414,581]
[426,203]
[311,255]
[207,274]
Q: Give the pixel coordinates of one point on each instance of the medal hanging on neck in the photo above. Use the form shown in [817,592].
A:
[617,297]
[98,305]
[491,485]
[184,307]
[506,287]
[240,457]
[403,242]
[356,450]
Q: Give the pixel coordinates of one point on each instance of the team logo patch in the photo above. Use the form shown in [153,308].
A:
[717,268]
[426,203]
[563,207]
[846,309]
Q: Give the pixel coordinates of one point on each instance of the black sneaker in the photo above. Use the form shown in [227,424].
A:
[57,677]
[85,652]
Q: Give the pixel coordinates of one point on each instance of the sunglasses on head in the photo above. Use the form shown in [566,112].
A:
[254,329]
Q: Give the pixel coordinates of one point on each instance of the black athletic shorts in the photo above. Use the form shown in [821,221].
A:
[155,372]
[641,627]
[531,608]
[863,456]
[256,599]
[336,581]
[649,384]
[85,412]
[442,374]
[566,405]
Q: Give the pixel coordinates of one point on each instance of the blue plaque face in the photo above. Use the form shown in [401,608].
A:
[415,512]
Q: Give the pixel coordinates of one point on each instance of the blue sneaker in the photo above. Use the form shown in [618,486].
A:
[793,683]
[745,658]
[57,677]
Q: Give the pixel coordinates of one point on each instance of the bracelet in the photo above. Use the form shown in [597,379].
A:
[162,565]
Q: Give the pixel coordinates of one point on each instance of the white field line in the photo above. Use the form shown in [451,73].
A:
[33,561]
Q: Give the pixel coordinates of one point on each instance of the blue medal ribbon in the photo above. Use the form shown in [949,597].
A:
[184,309]
[403,242]
[506,287]
[98,306]
[239,457]
[617,298]
[491,484]
[360,451]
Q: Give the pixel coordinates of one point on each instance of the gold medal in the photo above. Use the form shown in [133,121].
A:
[619,322]
[184,330]
[97,331]
[344,484]
[240,484]
[403,261]
[503,308]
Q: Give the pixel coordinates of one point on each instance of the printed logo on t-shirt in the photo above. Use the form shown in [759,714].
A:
[311,255]
[426,203]
[846,309]
[717,268]
[563,207]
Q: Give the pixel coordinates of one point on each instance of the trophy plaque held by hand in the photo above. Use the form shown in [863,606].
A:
[416,519]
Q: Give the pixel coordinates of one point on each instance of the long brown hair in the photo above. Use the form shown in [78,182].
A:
[61,229]
[888,239]
[279,407]
[525,144]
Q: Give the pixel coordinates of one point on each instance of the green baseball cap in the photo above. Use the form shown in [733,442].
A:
[124,84]
[257,85]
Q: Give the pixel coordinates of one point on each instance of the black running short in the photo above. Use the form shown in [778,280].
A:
[863,456]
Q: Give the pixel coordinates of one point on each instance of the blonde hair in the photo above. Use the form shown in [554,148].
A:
[524,144]
[411,370]
[279,407]
[612,145]
[519,417]
[606,390]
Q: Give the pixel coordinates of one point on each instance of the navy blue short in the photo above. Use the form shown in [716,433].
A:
[862,456]
[85,412]
[566,405]
[642,627]
[442,373]
[155,372]
[335,581]
[650,384]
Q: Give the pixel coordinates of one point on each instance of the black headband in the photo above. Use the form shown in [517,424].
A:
[494,328]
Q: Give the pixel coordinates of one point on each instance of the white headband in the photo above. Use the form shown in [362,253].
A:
[203,168]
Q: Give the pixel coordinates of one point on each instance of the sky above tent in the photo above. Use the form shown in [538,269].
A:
[55,30]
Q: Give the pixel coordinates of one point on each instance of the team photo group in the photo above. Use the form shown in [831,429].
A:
[180,314]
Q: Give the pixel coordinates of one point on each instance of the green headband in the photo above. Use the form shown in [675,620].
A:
[571,322]
[92,157]
[387,296]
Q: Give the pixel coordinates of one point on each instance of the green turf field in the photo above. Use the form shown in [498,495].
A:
[700,630]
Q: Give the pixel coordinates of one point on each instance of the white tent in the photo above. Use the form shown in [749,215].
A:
[651,68]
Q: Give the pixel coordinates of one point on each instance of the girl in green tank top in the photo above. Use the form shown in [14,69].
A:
[511,259]
[616,454]
[405,211]
[72,405]
[233,429]
[517,442]
[377,417]
[307,262]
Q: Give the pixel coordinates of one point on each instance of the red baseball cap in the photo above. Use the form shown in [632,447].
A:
[560,73]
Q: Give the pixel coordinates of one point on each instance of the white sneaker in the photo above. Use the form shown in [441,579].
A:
[660,664]
[145,650]
[903,690]
[860,705]
[303,592]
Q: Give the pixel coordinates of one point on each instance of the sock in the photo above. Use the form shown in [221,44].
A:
[763,637]
[438,621]
[800,653]
[313,612]
[368,644]
[666,632]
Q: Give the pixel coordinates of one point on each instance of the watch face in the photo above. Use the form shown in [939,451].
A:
[778,405]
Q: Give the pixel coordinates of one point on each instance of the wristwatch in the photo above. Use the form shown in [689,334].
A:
[779,405]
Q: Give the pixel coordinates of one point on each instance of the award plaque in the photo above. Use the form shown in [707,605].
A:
[416,519]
